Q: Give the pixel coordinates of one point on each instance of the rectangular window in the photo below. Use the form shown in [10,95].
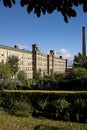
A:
[2,53]
[2,61]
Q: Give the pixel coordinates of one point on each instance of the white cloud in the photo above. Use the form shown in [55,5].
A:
[66,54]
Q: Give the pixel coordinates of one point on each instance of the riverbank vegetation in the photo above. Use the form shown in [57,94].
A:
[49,105]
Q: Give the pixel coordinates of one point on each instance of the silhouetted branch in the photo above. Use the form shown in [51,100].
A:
[66,7]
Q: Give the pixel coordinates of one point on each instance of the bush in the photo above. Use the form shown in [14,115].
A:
[58,109]
[62,106]
[59,106]
[22,109]
[8,84]
[69,107]
[42,104]
[77,73]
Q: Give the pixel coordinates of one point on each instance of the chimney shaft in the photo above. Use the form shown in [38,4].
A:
[83,42]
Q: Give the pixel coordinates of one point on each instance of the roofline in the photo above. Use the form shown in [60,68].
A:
[15,49]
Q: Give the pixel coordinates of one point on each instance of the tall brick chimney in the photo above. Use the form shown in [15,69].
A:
[83,41]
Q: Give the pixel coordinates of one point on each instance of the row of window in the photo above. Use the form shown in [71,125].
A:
[59,65]
[4,54]
[26,68]
[25,63]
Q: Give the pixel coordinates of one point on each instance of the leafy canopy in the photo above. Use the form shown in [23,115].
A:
[78,73]
[5,72]
[22,75]
[66,7]
[80,61]
[12,61]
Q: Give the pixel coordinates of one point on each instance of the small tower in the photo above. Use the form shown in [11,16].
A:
[83,41]
[35,51]
[52,52]
[35,47]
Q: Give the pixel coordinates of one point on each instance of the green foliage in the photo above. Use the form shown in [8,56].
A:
[59,76]
[78,73]
[59,106]
[63,103]
[22,76]
[28,82]
[42,104]
[5,72]
[12,61]
[49,82]
[37,75]
[16,104]
[80,61]
[22,109]
[66,7]
[8,85]
[62,106]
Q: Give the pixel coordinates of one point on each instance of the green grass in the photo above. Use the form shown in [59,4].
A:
[8,122]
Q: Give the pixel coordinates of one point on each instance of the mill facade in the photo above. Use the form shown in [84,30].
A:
[34,61]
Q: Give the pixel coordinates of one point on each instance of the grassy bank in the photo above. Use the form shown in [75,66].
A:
[8,122]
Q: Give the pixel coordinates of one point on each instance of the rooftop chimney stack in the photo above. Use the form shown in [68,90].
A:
[83,42]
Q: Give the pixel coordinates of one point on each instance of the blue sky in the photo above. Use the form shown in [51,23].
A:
[49,31]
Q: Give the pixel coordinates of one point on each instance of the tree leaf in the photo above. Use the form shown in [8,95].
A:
[13,1]
[24,2]
[43,10]
[63,6]
[37,11]
[49,10]
[65,18]
[70,3]
[75,2]
[29,9]
[7,3]
[71,12]
[80,2]
[85,8]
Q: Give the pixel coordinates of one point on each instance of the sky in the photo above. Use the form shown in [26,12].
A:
[17,27]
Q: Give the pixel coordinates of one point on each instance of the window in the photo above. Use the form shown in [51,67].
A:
[2,53]
[22,62]
[2,61]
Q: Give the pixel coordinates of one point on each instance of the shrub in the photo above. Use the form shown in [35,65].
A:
[22,109]
[62,106]
[42,104]
[58,109]
[59,76]
[59,106]
[78,73]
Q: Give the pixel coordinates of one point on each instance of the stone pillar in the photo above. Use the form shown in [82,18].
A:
[52,54]
[35,50]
